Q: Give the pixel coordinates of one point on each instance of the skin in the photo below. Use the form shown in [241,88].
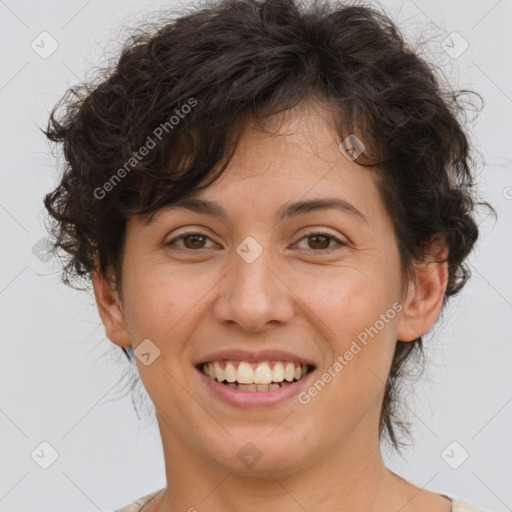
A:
[308,296]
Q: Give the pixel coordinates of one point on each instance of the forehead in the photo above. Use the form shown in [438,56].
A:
[290,165]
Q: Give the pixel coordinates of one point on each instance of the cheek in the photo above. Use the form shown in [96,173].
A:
[161,307]
[359,323]
[165,304]
[349,301]
[155,302]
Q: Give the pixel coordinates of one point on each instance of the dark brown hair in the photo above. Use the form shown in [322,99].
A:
[197,79]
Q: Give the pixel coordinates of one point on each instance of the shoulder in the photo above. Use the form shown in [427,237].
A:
[138,504]
[459,505]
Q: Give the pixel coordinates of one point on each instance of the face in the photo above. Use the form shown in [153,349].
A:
[261,296]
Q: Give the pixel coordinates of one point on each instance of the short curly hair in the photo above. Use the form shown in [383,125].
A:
[211,70]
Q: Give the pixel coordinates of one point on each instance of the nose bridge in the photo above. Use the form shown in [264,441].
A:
[250,265]
[252,295]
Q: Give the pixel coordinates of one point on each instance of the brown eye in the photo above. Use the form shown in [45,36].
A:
[319,241]
[191,241]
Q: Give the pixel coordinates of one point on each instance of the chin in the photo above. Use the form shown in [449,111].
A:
[258,452]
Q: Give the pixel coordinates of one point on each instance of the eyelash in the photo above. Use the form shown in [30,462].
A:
[306,235]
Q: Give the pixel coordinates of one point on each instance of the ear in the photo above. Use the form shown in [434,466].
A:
[424,298]
[110,309]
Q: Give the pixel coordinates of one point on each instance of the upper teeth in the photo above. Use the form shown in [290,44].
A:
[261,373]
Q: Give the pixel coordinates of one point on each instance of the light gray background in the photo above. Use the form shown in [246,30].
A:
[59,373]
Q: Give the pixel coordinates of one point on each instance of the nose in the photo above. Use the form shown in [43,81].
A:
[254,295]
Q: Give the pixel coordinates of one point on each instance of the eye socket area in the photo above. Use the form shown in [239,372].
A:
[311,234]
[187,235]
[325,235]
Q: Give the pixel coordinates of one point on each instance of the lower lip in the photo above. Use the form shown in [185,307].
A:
[248,399]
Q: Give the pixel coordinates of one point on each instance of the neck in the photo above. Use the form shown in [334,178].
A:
[351,477]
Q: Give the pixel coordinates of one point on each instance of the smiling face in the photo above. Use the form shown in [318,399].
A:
[268,281]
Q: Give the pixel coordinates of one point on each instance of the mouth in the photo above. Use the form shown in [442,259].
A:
[257,377]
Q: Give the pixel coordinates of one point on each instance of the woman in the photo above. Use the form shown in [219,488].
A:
[273,203]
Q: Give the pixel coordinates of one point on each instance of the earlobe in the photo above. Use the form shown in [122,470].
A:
[424,299]
[110,309]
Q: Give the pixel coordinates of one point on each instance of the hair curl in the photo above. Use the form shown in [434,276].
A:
[250,59]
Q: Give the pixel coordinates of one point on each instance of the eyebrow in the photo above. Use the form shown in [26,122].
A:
[288,210]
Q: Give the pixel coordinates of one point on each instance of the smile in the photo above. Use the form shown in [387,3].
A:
[264,376]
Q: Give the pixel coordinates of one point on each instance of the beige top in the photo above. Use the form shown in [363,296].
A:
[457,504]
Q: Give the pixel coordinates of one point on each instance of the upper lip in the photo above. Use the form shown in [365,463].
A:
[254,357]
